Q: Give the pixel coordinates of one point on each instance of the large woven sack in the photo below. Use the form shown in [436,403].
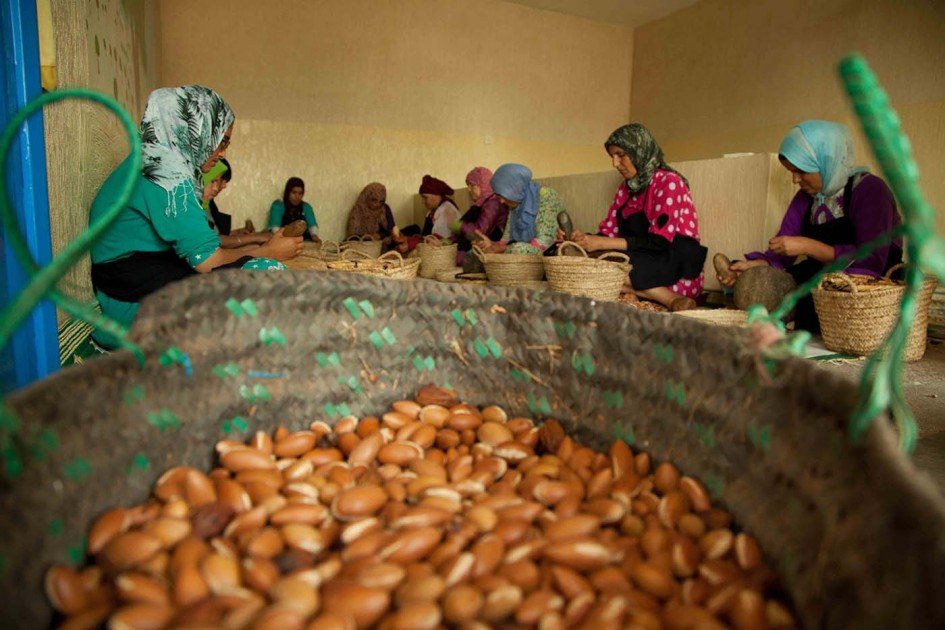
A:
[856,532]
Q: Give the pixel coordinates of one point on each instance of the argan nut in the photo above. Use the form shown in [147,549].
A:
[653,580]
[582,553]
[358,502]
[143,589]
[64,590]
[501,603]
[462,604]
[106,527]
[416,616]
[717,543]
[366,605]
[747,552]
[130,548]
[536,605]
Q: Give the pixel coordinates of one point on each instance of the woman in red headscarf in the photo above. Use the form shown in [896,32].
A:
[487,215]
[441,213]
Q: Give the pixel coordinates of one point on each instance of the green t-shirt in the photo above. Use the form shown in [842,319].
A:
[146,224]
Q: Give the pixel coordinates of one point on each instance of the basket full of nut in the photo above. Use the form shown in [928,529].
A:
[281,458]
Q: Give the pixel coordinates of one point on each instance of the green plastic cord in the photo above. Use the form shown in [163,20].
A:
[881,386]
[43,280]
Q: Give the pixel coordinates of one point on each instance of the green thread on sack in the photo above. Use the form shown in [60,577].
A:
[56,527]
[343,409]
[230,370]
[133,395]
[42,445]
[258,393]
[336,411]
[367,307]
[12,462]
[471,317]
[172,356]
[458,317]
[77,551]
[494,348]
[517,376]
[582,363]
[624,431]
[760,436]
[675,392]
[163,420]
[714,485]
[388,336]
[237,423]
[271,335]
[705,433]
[352,306]
[664,352]
[565,330]
[421,364]
[246,307]
[480,348]
[375,338]
[613,399]
[324,360]
[78,469]
[352,382]
[140,462]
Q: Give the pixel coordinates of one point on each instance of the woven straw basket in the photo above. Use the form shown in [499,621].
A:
[390,265]
[327,251]
[857,321]
[855,531]
[306,263]
[937,314]
[436,255]
[717,316]
[511,270]
[365,244]
[448,275]
[596,278]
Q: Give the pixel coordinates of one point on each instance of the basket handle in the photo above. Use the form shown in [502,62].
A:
[571,244]
[330,244]
[357,252]
[394,256]
[616,256]
[355,237]
[841,277]
[479,252]
[435,241]
[893,269]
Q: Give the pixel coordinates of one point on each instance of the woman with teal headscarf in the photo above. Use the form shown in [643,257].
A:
[162,235]
[533,212]
[214,182]
[838,208]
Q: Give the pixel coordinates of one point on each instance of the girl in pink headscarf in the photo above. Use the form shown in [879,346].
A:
[487,215]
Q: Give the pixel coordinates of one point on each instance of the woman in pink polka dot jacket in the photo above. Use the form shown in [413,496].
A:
[653,219]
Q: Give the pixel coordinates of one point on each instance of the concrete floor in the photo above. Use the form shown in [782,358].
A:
[924,383]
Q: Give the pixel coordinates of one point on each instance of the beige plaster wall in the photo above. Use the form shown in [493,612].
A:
[345,93]
[103,45]
[727,76]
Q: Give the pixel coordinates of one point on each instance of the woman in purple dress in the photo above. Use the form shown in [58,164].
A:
[838,208]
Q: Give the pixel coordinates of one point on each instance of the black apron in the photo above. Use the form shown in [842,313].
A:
[836,232]
[222,222]
[657,262]
[134,277]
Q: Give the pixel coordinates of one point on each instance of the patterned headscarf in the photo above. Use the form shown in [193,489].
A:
[180,130]
[368,214]
[819,146]
[514,182]
[646,155]
[482,177]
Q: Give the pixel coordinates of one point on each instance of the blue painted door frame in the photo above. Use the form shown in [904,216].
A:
[34,351]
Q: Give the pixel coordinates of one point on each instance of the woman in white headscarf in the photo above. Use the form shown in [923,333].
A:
[162,234]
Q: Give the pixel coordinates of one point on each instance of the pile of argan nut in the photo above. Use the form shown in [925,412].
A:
[436,514]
